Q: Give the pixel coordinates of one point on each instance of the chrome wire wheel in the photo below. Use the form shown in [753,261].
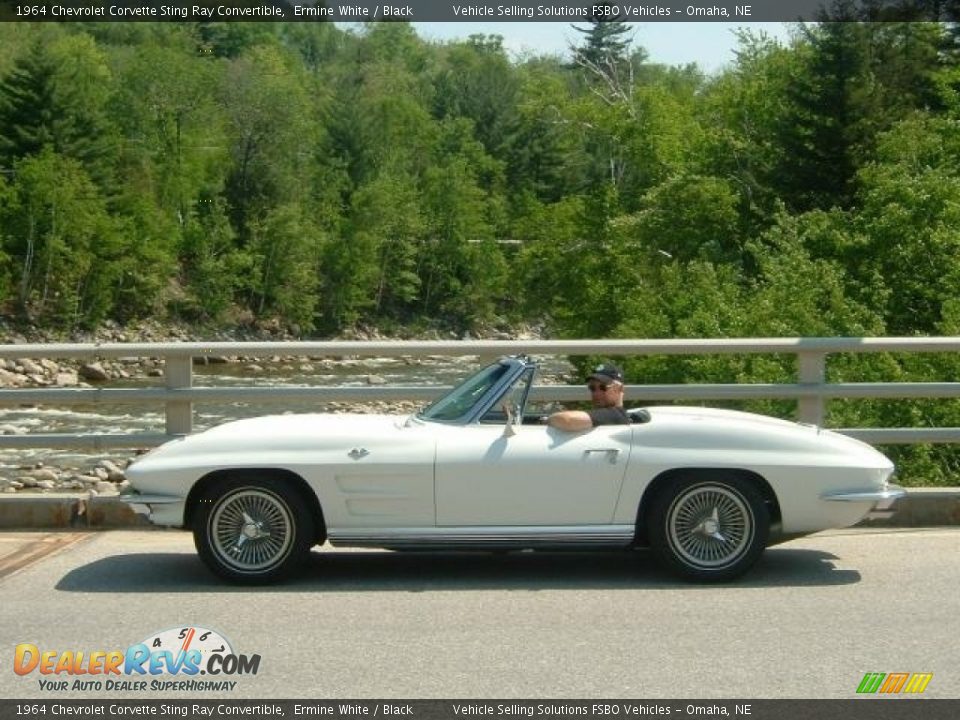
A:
[251,530]
[710,526]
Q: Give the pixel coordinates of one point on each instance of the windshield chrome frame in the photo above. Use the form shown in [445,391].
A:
[516,365]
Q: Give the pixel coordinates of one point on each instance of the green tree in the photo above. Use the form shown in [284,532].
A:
[478,82]
[212,268]
[55,97]
[741,114]
[822,133]
[856,80]
[909,222]
[142,260]
[550,249]
[348,279]
[174,133]
[381,119]
[462,269]
[386,218]
[270,122]
[233,39]
[689,217]
[58,229]
[318,43]
[286,249]
[633,135]
[544,154]
[396,44]
[596,270]
[605,41]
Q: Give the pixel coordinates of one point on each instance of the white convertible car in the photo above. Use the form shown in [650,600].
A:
[706,490]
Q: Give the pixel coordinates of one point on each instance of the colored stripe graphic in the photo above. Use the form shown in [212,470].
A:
[918,682]
[894,682]
[870,682]
[914,683]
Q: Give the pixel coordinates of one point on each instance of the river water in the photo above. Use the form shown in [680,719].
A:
[150,418]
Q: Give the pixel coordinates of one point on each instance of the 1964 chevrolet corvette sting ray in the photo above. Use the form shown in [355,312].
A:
[706,490]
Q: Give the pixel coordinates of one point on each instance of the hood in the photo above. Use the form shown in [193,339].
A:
[292,425]
[282,434]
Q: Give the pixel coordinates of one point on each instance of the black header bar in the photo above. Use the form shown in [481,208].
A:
[565,11]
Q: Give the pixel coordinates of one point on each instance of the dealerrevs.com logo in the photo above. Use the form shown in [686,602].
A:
[192,659]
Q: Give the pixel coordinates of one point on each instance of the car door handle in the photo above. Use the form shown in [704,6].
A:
[358,453]
[611,452]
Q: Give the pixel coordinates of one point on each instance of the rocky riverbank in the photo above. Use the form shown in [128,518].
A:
[105,478]
[47,372]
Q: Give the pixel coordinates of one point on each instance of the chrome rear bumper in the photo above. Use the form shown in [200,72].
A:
[883,500]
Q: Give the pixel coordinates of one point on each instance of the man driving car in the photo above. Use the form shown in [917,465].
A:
[605,384]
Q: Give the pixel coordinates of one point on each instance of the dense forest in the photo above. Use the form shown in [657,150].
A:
[330,177]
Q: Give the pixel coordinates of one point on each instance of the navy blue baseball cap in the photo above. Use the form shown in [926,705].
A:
[606,372]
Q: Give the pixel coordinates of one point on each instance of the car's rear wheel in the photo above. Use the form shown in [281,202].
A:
[252,530]
[708,528]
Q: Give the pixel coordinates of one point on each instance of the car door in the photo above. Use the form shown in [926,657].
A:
[538,476]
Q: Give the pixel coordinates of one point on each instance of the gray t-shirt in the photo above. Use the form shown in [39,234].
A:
[609,416]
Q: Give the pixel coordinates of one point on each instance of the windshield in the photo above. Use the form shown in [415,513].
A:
[457,403]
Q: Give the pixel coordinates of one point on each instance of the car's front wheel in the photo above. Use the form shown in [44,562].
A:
[709,529]
[252,530]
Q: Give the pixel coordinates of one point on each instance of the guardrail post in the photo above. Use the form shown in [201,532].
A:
[812,367]
[178,371]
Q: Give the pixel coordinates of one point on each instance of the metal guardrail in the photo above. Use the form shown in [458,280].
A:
[811,390]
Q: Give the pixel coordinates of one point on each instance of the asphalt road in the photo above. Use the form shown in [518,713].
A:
[808,622]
